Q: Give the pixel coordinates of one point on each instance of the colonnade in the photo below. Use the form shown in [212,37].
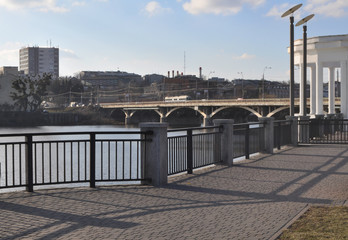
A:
[329,52]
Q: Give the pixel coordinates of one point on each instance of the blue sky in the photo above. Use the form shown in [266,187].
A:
[224,37]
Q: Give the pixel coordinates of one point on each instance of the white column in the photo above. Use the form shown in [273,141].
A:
[344,88]
[313,107]
[301,91]
[319,88]
[331,90]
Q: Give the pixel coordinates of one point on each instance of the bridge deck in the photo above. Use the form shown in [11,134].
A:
[279,102]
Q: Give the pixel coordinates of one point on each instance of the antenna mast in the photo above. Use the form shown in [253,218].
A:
[184,63]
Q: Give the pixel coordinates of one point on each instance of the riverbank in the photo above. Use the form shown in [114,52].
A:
[55,118]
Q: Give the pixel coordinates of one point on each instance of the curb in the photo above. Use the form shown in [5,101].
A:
[288,224]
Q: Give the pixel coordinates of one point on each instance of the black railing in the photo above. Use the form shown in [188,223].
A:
[60,158]
[282,133]
[323,131]
[190,148]
[248,139]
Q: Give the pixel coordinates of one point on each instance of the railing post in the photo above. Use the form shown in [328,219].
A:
[268,140]
[29,167]
[92,161]
[156,161]
[278,135]
[247,142]
[294,129]
[303,129]
[189,152]
[226,140]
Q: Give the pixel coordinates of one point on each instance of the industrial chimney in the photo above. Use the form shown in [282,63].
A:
[200,72]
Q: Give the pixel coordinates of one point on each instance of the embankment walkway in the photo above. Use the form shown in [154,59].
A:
[252,200]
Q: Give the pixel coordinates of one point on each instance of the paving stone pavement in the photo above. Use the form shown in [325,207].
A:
[252,200]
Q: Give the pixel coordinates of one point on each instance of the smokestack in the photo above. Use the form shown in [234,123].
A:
[177,73]
[173,73]
[200,72]
[168,74]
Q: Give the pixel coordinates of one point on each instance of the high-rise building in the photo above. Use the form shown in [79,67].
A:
[39,60]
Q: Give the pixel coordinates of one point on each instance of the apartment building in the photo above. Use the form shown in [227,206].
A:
[39,60]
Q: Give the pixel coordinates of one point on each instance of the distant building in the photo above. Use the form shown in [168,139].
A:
[7,76]
[153,78]
[39,60]
[108,79]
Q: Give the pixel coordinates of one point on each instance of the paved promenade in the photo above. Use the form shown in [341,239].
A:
[252,200]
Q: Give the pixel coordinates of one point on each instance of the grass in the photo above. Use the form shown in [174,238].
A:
[319,223]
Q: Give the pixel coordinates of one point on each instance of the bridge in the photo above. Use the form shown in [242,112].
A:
[208,108]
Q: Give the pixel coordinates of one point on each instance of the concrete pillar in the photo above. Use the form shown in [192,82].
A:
[294,129]
[156,161]
[319,87]
[163,119]
[344,89]
[331,90]
[268,133]
[207,121]
[128,120]
[313,105]
[226,140]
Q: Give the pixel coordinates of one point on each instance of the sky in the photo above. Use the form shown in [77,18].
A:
[227,38]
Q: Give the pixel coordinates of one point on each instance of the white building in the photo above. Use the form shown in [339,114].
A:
[38,60]
[329,52]
[7,76]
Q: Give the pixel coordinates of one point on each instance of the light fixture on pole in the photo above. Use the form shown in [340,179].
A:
[263,81]
[241,73]
[303,103]
[292,79]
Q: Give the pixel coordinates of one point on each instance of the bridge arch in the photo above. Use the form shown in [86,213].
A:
[177,108]
[277,110]
[245,108]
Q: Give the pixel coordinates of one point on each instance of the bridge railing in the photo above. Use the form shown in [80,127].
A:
[323,131]
[247,139]
[282,133]
[190,148]
[28,160]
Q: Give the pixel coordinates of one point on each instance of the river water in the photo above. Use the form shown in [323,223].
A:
[66,158]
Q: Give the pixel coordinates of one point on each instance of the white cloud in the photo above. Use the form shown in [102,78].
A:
[38,5]
[328,8]
[224,7]
[9,54]
[245,56]
[78,4]
[154,8]
[67,53]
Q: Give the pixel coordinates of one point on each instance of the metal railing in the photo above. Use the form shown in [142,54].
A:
[282,133]
[190,148]
[247,139]
[323,131]
[59,158]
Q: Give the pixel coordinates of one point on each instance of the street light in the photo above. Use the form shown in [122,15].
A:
[304,72]
[208,83]
[241,73]
[263,81]
[292,80]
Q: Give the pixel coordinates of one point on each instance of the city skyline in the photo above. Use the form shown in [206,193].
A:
[229,39]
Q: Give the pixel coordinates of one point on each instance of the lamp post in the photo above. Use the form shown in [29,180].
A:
[241,73]
[292,80]
[208,83]
[263,81]
[303,103]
